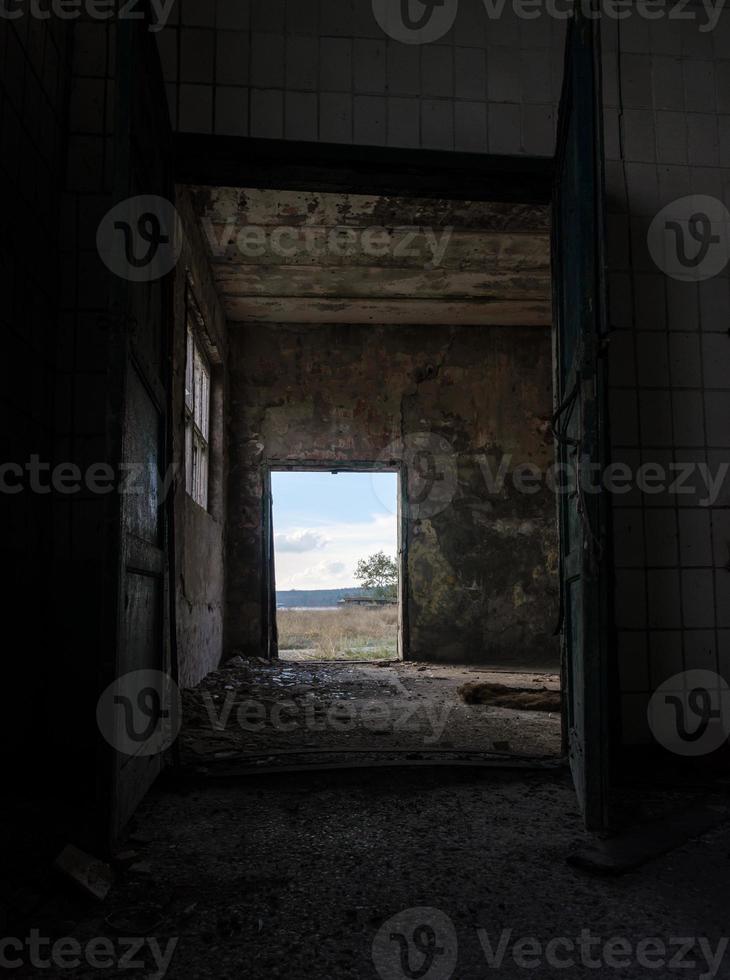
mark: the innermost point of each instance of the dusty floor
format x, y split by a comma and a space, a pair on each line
398, 858
267, 714
299, 876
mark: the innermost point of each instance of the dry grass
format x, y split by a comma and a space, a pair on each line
348, 633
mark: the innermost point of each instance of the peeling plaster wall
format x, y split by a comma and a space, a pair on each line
481, 576
200, 541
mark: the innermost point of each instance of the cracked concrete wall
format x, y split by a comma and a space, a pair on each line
481, 562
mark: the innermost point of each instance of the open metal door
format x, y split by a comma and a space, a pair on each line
137, 661
579, 307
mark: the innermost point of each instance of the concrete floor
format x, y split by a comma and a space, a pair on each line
300, 876
297, 710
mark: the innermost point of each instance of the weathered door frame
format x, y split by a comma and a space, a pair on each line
268, 600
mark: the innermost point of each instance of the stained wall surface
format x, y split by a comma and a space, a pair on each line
481, 583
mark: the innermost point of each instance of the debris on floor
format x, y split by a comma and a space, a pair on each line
93, 876
517, 698
253, 712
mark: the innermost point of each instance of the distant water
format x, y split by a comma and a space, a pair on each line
310, 608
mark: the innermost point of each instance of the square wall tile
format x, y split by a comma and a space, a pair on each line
335, 118
633, 661
335, 64
689, 421
232, 59
663, 599
196, 108
369, 120
665, 655
721, 538
231, 111
628, 537
695, 543
716, 359
661, 537
267, 113
714, 305
630, 599
404, 122
652, 359
470, 127
698, 605
685, 366
656, 418
700, 650
717, 409
300, 113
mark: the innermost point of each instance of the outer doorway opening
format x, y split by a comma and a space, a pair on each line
338, 570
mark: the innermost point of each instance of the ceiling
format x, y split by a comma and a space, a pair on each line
301, 257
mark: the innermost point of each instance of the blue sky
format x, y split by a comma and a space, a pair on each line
324, 523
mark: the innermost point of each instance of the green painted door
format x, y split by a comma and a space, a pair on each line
138, 658
578, 276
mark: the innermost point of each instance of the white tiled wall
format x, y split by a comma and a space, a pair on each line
667, 94
324, 70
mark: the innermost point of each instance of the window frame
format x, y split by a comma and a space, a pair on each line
196, 411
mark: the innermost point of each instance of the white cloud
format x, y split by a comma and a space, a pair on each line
344, 545
300, 541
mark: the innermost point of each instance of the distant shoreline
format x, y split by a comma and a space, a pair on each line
311, 608
316, 598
